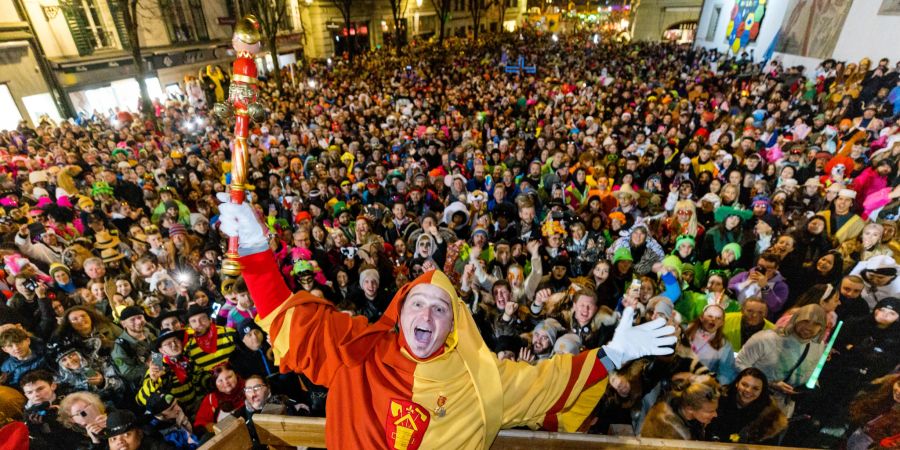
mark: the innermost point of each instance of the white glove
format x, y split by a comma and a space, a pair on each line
241, 221
632, 342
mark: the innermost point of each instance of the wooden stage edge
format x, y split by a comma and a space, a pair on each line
291, 432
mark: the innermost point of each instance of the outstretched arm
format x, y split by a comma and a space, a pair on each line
560, 393
307, 333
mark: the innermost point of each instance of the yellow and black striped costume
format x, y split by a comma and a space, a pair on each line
225, 342
187, 393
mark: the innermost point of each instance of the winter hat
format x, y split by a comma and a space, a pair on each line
622, 254
247, 327
673, 262
735, 248
711, 198
568, 343
368, 273
891, 303
549, 326
177, 229
129, 312
661, 305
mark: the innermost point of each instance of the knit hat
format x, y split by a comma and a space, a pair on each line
129, 312
368, 273
735, 248
246, 328
177, 229
711, 198
674, 263
661, 305
891, 303
568, 343
622, 254
549, 326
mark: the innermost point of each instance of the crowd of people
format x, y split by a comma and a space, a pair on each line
751, 205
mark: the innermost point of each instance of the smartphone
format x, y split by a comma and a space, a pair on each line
90, 413
635, 287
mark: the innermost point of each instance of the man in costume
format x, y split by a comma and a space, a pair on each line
842, 223
421, 376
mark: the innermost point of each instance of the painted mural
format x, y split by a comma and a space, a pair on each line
746, 18
811, 27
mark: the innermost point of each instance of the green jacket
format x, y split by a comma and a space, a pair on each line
692, 303
732, 329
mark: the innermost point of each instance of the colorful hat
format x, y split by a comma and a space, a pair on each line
724, 212
734, 248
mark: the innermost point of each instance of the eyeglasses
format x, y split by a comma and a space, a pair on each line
256, 388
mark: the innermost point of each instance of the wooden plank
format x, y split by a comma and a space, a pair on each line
290, 431
525, 439
310, 432
233, 435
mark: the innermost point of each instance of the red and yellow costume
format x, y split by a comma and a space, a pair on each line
381, 396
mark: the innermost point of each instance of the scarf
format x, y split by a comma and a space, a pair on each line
68, 288
230, 401
179, 367
208, 342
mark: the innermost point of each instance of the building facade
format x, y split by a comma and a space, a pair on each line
372, 22
61, 58
800, 34
665, 20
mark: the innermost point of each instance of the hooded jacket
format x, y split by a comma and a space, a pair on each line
381, 396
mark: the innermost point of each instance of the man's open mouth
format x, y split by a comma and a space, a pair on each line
423, 336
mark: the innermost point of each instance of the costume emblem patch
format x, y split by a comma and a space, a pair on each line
406, 424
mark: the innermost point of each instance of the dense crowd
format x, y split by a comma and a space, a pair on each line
753, 206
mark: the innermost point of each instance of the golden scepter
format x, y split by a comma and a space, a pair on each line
242, 105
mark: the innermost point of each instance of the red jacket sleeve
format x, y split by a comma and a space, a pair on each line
205, 412
264, 281
307, 333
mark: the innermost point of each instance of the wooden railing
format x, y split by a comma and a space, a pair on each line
284, 432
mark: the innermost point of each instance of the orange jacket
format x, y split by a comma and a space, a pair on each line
380, 396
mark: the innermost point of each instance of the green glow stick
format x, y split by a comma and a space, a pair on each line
814, 378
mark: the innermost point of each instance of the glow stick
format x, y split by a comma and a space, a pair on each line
814, 378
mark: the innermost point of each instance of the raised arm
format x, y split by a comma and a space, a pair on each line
307, 333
